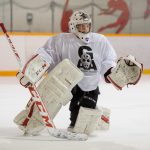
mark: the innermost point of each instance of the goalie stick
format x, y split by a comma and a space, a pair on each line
38, 102
35, 95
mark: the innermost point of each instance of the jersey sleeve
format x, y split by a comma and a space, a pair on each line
109, 56
49, 52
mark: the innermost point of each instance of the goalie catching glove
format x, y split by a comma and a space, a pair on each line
128, 71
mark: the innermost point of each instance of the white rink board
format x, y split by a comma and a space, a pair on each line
139, 46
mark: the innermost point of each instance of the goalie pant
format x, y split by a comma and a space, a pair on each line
82, 98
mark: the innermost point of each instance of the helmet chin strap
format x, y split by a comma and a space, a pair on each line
83, 37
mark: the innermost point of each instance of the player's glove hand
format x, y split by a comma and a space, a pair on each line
127, 71
106, 75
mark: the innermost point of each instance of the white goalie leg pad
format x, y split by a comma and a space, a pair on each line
104, 119
34, 126
30, 120
60, 81
51, 89
67, 73
87, 120
55, 91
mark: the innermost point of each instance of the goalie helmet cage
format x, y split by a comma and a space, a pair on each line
32, 88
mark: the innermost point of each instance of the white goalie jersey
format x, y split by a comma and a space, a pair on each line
93, 59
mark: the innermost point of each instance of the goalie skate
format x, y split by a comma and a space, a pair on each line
65, 134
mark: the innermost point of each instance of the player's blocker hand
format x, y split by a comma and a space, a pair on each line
24, 81
32, 71
128, 71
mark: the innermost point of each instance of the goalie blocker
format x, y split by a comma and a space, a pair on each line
33, 70
128, 71
55, 91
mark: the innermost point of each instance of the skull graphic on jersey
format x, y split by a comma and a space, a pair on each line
86, 61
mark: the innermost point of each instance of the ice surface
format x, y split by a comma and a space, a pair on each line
129, 125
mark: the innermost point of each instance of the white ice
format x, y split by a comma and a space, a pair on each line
129, 126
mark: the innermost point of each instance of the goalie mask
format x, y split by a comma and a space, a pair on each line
80, 18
